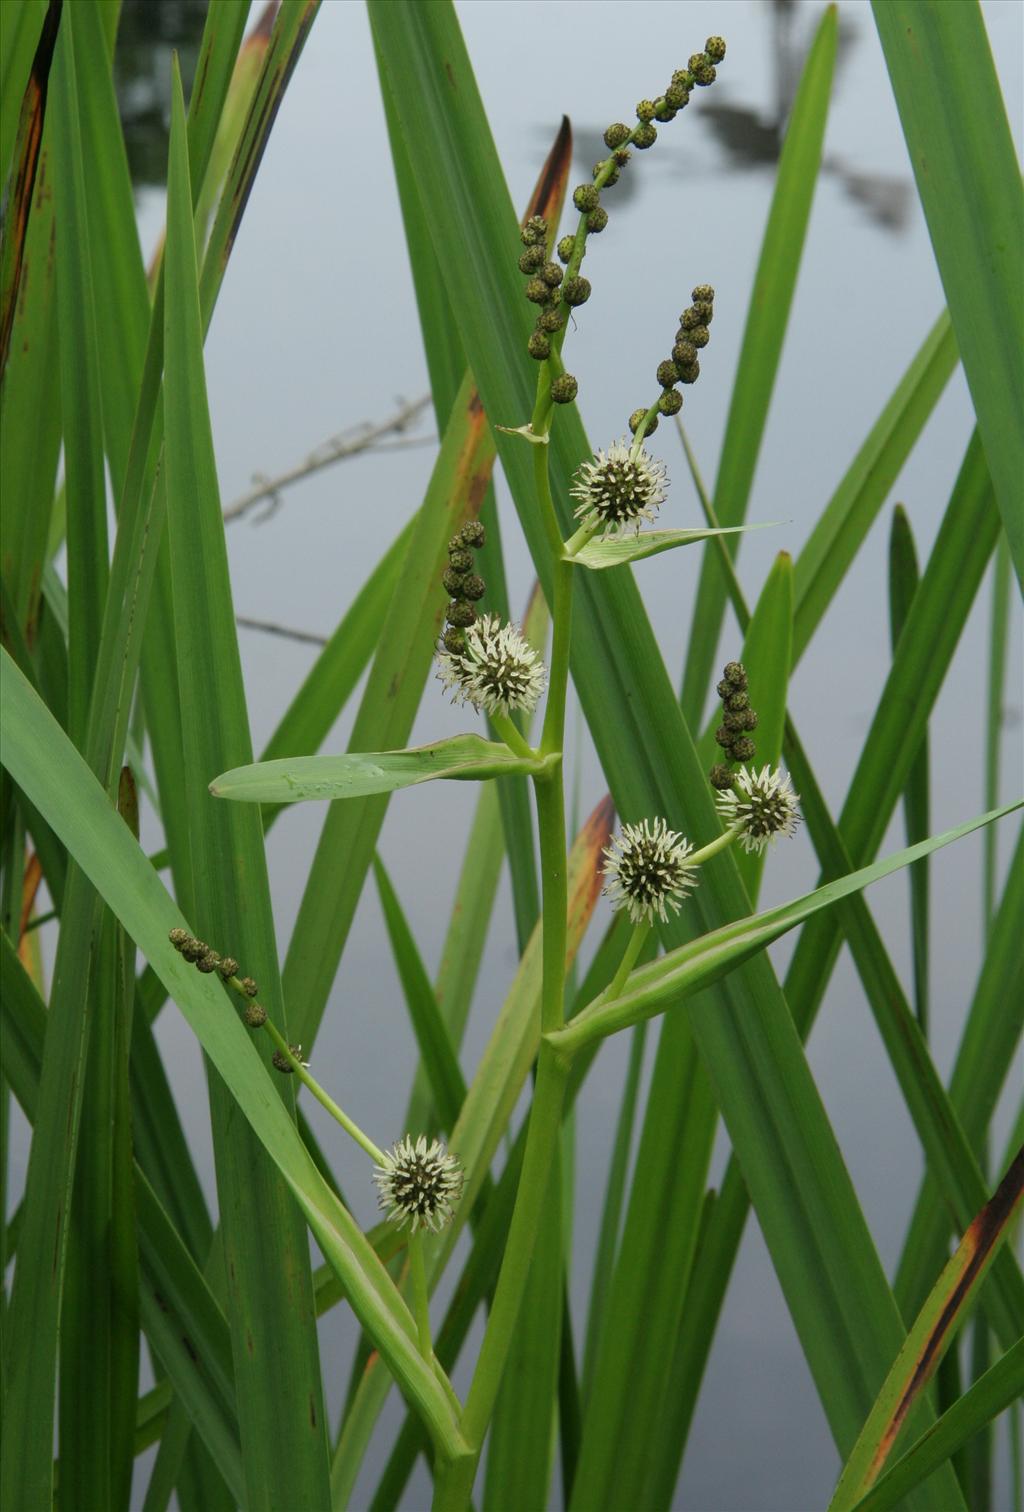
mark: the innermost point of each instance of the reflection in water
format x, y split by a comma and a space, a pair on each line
752, 140
148, 33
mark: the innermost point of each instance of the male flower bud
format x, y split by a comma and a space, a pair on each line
645, 136
616, 135
671, 402
566, 247
473, 534
666, 374
550, 320
714, 48
645, 111
460, 614
637, 418
597, 220
538, 346
537, 291
452, 582
576, 291
255, 1016
531, 259
565, 387
586, 197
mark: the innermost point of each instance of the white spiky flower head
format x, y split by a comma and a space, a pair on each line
647, 871
419, 1184
764, 803
497, 671
621, 490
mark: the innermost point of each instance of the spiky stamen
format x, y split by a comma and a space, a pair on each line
419, 1185
647, 871
498, 671
764, 803
619, 489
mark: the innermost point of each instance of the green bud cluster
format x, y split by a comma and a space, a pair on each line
682, 366
693, 334
738, 719
543, 280
205, 959
464, 586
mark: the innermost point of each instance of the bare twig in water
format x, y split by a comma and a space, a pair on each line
348, 444
270, 628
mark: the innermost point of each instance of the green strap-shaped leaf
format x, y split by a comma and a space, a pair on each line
42, 760
931, 1335
617, 550
281, 1411
1001, 1387
961, 148
761, 350
302, 779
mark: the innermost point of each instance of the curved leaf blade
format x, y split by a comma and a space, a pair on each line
358, 774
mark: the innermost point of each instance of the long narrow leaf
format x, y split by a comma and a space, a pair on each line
761, 350
969, 182
929, 1338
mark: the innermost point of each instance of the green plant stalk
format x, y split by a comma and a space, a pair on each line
541, 1142
545, 1123
420, 1298
323, 1098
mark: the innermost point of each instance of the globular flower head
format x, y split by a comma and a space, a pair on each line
620, 489
499, 671
647, 871
763, 803
419, 1184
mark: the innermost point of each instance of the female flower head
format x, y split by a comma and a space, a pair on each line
419, 1185
619, 489
763, 803
647, 871
497, 670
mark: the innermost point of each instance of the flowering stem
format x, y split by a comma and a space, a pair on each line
629, 959
512, 737
322, 1097
576, 542
541, 1142
420, 1301
697, 858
